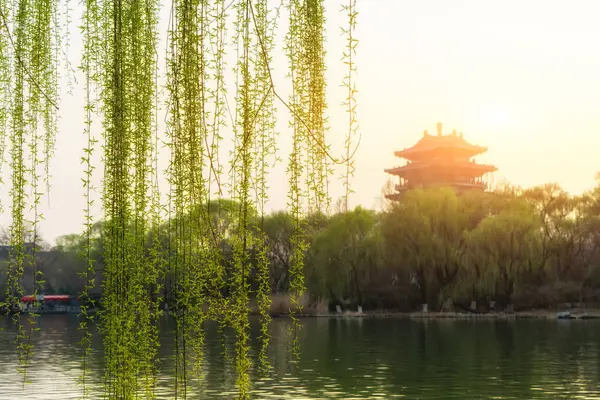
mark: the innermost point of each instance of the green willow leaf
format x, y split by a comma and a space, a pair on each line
208, 258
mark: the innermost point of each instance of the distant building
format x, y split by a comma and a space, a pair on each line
440, 160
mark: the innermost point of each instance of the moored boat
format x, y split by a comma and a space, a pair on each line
50, 304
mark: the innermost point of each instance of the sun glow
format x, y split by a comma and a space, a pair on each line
496, 117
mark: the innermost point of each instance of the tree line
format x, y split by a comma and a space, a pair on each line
511, 248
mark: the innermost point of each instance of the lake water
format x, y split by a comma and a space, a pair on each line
352, 359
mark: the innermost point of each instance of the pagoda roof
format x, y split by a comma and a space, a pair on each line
458, 186
455, 185
441, 162
429, 143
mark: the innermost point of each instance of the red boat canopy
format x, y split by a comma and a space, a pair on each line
49, 297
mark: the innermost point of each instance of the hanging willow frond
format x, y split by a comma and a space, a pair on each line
264, 150
29, 92
350, 102
128, 99
242, 167
89, 66
199, 268
308, 160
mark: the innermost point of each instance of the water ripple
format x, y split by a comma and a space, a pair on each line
345, 359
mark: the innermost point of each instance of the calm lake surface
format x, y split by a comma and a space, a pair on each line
351, 359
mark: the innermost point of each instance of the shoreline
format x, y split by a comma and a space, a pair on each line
591, 313
575, 314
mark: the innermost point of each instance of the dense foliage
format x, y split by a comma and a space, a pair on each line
524, 248
156, 249
188, 251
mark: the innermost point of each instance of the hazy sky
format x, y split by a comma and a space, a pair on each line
521, 77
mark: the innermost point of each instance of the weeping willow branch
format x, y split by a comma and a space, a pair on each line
242, 168
18, 196
18, 54
89, 64
264, 149
204, 270
302, 121
5, 84
296, 166
32, 100
128, 97
350, 85
317, 104
195, 260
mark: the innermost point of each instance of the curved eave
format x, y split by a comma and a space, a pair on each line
401, 189
420, 153
409, 168
455, 185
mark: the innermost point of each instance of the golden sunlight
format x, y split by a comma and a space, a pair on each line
493, 117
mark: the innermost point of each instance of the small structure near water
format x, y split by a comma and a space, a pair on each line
564, 315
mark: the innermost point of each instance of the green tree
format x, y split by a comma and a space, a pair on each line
424, 233
555, 211
506, 246
345, 255
279, 228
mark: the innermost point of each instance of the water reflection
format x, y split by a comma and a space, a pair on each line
346, 359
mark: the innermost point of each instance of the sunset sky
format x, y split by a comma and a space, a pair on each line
520, 77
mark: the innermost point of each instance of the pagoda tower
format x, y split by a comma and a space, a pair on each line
440, 160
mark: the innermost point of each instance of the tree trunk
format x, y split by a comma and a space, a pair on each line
422, 286
357, 285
